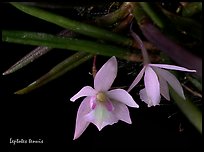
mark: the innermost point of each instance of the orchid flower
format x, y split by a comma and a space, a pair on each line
156, 79
102, 107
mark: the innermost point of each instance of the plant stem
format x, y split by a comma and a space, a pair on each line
139, 41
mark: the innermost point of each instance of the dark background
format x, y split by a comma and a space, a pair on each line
47, 113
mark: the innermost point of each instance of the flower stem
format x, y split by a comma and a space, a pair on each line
144, 51
94, 70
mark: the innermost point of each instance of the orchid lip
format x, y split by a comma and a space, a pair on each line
102, 98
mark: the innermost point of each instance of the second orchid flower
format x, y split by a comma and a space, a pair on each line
156, 79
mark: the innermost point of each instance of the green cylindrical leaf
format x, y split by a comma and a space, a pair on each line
33, 55
75, 26
42, 39
195, 82
192, 112
60, 69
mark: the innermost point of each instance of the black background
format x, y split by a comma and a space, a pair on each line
47, 113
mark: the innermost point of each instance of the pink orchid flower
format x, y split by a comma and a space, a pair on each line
156, 79
102, 107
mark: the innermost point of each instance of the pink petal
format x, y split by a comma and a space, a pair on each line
137, 79
164, 89
172, 67
172, 80
81, 122
146, 99
122, 96
121, 112
85, 91
106, 75
152, 86
101, 117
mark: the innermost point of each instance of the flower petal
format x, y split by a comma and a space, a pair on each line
122, 96
137, 79
85, 91
172, 80
81, 122
145, 98
101, 117
106, 75
152, 86
121, 112
172, 67
164, 89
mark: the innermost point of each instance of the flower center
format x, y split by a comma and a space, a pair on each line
101, 97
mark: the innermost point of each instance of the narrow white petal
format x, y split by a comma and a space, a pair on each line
81, 122
152, 85
137, 79
122, 96
85, 91
172, 80
172, 67
106, 75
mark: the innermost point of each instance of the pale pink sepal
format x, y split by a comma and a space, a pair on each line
122, 96
137, 79
81, 122
164, 88
106, 75
85, 91
172, 67
172, 81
